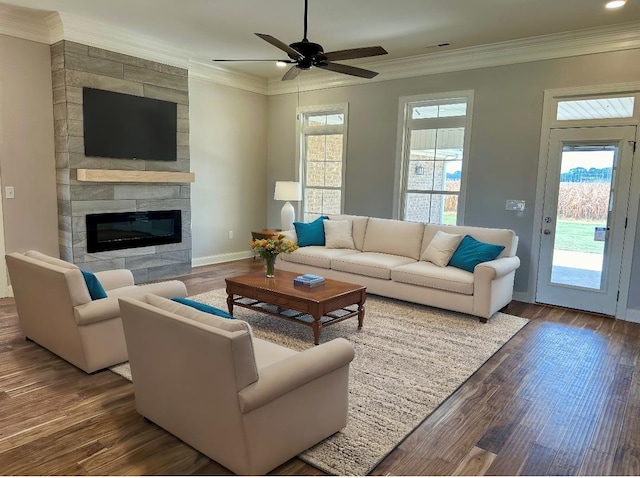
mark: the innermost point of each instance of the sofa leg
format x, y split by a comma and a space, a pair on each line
483, 320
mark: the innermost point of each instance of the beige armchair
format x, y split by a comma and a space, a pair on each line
55, 309
246, 403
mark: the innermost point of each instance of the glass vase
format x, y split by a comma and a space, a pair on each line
270, 263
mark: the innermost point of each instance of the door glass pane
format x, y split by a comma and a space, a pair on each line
584, 203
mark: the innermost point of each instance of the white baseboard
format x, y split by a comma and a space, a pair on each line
633, 315
220, 258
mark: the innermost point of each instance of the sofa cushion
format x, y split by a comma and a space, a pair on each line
441, 248
310, 233
399, 238
371, 264
503, 237
430, 275
359, 227
96, 291
472, 252
338, 235
209, 309
316, 256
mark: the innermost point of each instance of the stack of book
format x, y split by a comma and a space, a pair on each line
309, 280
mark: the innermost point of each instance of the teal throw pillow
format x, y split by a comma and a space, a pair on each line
96, 291
209, 309
310, 233
471, 252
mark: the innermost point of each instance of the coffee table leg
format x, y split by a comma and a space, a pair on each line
360, 315
317, 328
230, 303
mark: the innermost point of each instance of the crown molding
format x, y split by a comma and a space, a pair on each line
50, 28
23, 23
547, 47
109, 37
221, 76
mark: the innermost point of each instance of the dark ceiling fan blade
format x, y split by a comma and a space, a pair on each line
355, 53
284, 61
293, 72
278, 44
349, 70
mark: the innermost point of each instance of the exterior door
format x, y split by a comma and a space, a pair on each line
584, 217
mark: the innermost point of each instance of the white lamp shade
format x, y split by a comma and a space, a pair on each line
288, 191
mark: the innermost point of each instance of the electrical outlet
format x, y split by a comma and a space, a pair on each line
515, 205
9, 192
230, 234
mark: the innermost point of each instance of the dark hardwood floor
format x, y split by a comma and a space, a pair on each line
561, 398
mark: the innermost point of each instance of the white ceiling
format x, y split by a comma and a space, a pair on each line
208, 29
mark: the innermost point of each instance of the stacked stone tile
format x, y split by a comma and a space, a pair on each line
75, 66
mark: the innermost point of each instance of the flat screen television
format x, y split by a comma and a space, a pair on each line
117, 125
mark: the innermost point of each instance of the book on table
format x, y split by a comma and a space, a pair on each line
309, 280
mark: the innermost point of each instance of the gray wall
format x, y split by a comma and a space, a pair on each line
229, 158
505, 137
26, 146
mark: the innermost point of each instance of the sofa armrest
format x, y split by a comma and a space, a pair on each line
295, 371
495, 269
115, 278
96, 311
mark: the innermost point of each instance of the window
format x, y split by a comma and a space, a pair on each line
433, 149
597, 108
323, 140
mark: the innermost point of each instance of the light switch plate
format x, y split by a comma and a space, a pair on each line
9, 192
515, 205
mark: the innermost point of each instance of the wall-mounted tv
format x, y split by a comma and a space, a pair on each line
117, 125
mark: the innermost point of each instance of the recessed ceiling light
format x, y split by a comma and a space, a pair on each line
615, 4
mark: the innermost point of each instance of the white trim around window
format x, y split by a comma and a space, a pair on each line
451, 120
306, 132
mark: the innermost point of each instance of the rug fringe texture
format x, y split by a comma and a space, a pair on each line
409, 359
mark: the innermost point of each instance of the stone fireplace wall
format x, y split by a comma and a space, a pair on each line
75, 66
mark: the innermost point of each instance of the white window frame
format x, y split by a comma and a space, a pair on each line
404, 130
303, 131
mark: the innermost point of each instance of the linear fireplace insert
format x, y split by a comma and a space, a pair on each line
124, 230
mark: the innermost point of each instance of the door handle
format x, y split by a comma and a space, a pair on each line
546, 232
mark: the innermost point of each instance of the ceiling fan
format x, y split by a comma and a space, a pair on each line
305, 54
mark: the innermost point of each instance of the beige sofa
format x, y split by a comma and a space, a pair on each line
55, 309
246, 403
386, 259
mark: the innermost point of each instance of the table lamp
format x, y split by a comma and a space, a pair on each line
287, 191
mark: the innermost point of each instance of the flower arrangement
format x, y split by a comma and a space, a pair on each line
269, 249
273, 246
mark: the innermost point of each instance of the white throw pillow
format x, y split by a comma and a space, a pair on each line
291, 235
441, 248
338, 234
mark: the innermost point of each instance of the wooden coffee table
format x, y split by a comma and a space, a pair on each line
325, 303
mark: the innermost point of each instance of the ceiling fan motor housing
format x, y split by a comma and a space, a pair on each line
312, 54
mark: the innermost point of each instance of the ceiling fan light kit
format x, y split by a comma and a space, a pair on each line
304, 55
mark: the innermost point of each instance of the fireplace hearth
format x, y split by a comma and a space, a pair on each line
125, 230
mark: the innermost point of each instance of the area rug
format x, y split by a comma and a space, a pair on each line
409, 359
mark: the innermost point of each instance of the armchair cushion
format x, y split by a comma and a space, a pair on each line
96, 291
209, 309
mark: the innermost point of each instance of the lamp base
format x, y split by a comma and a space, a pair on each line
287, 216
